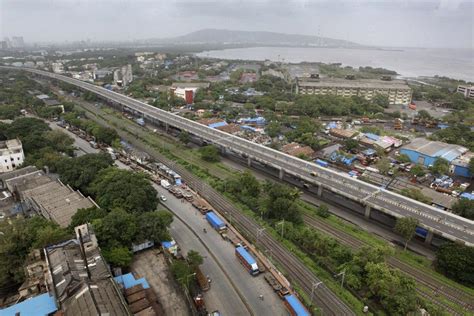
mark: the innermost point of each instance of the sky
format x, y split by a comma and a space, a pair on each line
399, 23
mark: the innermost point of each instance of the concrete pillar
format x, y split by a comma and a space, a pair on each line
320, 190
166, 127
429, 237
249, 161
281, 174
367, 211
223, 150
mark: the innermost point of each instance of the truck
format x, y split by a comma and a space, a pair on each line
294, 306
111, 152
215, 221
202, 280
247, 260
165, 184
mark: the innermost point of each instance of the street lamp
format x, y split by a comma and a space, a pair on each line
259, 233
282, 223
343, 273
314, 287
186, 277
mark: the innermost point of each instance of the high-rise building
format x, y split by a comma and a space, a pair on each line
123, 76
17, 42
467, 91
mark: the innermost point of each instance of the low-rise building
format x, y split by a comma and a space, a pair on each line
467, 91
11, 155
297, 150
397, 91
425, 152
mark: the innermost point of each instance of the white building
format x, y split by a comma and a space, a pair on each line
467, 91
123, 76
58, 68
11, 155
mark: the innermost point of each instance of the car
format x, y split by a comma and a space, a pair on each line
163, 198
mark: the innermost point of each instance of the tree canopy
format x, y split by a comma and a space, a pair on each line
132, 192
406, 227
456, 261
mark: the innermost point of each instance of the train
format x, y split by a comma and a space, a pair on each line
247, 260
216, 222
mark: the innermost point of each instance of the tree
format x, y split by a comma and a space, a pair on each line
184, 137
182, 272
210, 153
381, 100
416, 194
406, 226
105, 134
130, 191
456, 261
351, 144
194, 259
383, 165
323, 211
117, 229
86, 215
440, 166
418, 171
403, 158
153, 226
280, 202
60, 141
464, 207
395, 291
80, 172
273, 129
118, 256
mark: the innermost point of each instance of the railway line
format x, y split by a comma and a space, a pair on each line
452, 294
297, 272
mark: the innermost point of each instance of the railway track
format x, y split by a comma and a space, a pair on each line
297, 272
435, 288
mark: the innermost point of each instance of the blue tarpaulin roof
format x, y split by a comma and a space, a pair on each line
467, 195
128, 281
167, 244
372, 136
296, 305
246, 255
248, 128
217, 124
40, 305
369, 152
332, 125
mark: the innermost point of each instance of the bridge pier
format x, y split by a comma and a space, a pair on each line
367, 211
320, 190
223, 151
166, 127
249, 161
429, 237
281, 174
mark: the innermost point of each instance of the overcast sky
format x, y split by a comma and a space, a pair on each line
418, 23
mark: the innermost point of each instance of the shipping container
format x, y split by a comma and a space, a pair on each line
247, 260
215, 221
295, 307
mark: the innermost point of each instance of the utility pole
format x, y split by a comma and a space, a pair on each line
343, 273
259, 233
282, 223
314, 287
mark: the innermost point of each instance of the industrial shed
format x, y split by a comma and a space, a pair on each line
425, 152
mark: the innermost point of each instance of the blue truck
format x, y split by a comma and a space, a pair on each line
215, 221
294, 306
247, 260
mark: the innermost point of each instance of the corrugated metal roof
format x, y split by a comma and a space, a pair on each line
39, 305
296, 305
436, 149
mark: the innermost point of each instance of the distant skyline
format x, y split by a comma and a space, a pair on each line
399, 23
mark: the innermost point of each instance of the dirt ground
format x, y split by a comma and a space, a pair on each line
153, 267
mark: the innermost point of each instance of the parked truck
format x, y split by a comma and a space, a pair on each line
165, 184
322, 163
247, 260
202, 280
215, 221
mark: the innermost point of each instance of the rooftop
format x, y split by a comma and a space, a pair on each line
80, 290
436, 149
10, 144
358, 83
39, 305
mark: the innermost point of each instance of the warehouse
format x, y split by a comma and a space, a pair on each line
425, 152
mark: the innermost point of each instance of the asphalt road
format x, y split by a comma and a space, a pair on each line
249, 287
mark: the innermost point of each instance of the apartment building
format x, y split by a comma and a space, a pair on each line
11, 155
467, 91
397, 91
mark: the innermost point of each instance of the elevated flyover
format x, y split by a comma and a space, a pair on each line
445, 224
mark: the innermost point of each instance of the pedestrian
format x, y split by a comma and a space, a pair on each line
260, 297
